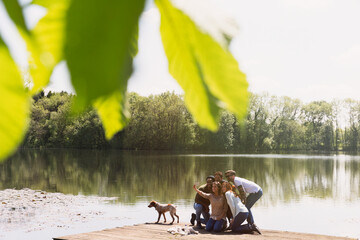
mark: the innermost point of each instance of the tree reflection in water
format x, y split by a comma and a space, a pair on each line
166, 177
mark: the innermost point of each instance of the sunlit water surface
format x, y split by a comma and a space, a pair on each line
302, 193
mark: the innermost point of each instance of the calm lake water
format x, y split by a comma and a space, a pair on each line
302, 193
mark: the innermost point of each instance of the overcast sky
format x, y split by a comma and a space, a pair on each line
306, 49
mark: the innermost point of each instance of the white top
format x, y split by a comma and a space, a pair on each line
235, 204
249, 186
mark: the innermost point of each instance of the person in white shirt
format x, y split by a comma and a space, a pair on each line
238, 210
253, 190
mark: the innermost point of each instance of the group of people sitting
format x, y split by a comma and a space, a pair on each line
230, 200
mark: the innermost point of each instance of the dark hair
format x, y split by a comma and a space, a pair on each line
219, 173
210, 176
218, 185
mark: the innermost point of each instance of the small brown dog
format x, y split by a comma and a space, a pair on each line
163, 208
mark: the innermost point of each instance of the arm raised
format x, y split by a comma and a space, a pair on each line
201, 193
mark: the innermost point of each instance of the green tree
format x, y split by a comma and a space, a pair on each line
158, 122
222, 140
352, 129
317, 116
288, 131
337, 106
85, 131
257, 123
162, 122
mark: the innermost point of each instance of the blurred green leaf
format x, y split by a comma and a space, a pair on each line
46, 3
112, 113
98, 38
111, 109
207, 72
14, 107
39, 73
14, 10
47, 42
44, 42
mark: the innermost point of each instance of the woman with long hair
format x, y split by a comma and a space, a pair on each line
218, 207
238, 210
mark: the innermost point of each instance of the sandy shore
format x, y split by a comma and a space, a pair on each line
35, 210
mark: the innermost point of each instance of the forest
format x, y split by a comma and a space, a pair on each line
162, 122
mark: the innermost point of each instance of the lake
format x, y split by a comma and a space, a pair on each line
302, 192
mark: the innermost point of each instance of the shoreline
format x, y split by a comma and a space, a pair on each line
37, 210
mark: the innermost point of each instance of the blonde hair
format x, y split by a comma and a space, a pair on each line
228, 185
231, 187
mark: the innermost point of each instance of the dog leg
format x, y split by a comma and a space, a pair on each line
164, 217
172, 215
177, 217
159, 217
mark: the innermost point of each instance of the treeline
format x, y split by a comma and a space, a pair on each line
162, 122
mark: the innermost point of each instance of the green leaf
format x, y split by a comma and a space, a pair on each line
14, 107
45, 3
98, 38
206, 71
39, 73
48, 37
46, 42
14, 10
112, 113
112, 109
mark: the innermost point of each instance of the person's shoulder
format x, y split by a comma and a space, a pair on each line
229, 193
238, 179
202, 187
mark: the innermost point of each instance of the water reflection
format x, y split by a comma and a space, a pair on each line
133, 176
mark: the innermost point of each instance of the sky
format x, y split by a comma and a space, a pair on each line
305, 49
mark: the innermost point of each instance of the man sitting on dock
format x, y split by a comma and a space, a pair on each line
201, 204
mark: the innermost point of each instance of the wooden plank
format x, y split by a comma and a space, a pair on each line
159, 231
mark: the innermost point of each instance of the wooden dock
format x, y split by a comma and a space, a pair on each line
159, 231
